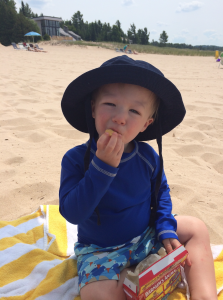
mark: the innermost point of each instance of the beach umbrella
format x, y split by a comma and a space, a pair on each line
32, 33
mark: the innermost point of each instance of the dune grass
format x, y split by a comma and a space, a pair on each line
144, 48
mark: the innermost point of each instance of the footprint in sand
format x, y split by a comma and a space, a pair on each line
181, 192
34, 191
190, 150
8, 94
6, 174
25, 128
51, 112
211, 103
34, 137
29, 197
204, 126
14, 160
16, 122
25, 111
195, 135
70, 133
219, 167
189, 122
213, 121
211, 158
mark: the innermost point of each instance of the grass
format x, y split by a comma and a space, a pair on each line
144, 48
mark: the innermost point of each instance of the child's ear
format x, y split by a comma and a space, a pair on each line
93, 108
148, 122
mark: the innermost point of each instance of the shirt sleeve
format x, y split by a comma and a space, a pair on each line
81, 193
165, 224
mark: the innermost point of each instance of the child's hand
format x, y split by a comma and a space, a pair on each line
171, 244
110, 149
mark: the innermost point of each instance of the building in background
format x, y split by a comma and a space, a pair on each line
68, 33
48, 25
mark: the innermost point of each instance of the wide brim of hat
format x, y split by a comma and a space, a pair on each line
171, 110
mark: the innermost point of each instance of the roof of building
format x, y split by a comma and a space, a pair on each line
47, 18
63, 32
70, 34
74, 34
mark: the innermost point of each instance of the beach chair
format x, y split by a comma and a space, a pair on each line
37, 46
22, 47
221, 61
15, 47
118, 50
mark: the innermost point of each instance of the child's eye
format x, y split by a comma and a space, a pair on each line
110, 104
134, 111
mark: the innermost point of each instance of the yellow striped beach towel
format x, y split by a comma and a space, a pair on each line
37, 258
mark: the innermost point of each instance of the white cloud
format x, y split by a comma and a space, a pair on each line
161, 24
153, 31
39, 4
185, 31
128, 2
190, 6
210, 33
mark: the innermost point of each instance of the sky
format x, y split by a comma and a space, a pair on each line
191, 22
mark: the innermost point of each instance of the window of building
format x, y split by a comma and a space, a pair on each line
50, 27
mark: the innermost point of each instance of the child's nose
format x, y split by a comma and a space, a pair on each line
120, 118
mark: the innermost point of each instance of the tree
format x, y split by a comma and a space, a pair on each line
132, 35
77, 20
115, 35
163, 37
143, 36
13, 26
8, 16
26, 11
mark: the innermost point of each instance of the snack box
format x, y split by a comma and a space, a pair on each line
158, 280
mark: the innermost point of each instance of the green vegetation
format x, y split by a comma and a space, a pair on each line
26, 11
46, 37
97, 31
163, 38
143, 48
13, 25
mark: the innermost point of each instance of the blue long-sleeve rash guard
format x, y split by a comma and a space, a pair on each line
121, 194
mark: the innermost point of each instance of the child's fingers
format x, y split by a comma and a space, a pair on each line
121, 150
103, 141
170, 244
112, 142
175, 243
167, 245
118, 145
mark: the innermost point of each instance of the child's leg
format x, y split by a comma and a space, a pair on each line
193, 233
105, 289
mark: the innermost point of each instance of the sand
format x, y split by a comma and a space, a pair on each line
35, 135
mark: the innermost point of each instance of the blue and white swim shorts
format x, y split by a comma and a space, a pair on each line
96, 263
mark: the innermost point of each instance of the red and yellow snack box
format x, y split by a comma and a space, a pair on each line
158, 280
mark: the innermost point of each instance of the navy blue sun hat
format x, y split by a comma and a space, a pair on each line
123, 69
76, 105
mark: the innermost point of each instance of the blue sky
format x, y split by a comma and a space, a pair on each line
191, 22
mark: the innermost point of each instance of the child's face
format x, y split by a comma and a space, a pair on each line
124, 108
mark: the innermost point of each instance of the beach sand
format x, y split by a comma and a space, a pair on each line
35, 135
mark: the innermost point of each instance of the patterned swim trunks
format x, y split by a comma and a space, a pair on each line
96, 263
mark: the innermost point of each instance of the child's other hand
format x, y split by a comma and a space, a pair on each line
110, 149
171, 244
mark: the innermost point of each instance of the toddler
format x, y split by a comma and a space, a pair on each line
114, 186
